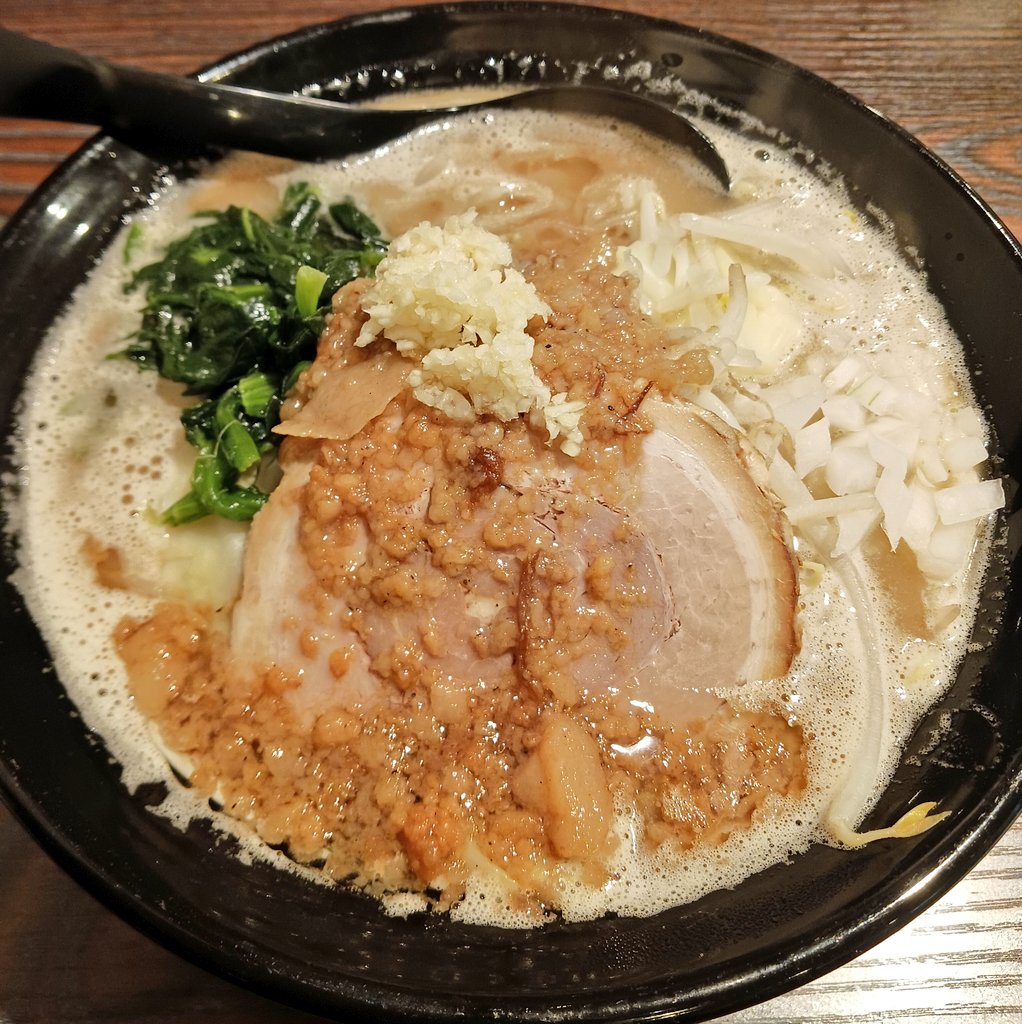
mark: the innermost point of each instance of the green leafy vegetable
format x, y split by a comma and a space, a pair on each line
233, 312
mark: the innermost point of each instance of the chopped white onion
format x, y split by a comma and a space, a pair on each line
786, 483
850, 468
931, 465
844, 412
795, 402
917, 528
812, 447
846, 375
964, 452
824, 508
889, 453
853, 527
961, 503
949, 549
895, 499
967, 421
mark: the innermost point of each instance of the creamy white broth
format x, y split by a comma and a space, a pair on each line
103, 451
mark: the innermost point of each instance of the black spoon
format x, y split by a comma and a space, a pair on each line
145, 108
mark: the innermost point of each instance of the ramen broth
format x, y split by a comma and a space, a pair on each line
427, 789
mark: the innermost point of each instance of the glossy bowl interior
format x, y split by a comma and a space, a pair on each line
331, 950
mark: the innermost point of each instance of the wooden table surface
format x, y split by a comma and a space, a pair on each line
947, 70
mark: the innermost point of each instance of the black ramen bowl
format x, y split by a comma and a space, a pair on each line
332, 950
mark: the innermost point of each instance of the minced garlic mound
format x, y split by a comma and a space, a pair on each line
449, 297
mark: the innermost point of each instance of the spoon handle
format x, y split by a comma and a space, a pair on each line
44, 81
144, 107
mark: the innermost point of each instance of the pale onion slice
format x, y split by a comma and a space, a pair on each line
921, 519
795, 402
349, 397
895, 498
888, 453
730, 325
931, 466
844, 412
853, 528
963, 453
707, 400
967, 422
764, 239
850, 469
862, 775
787, 484
948, 550
812, 447
846, 374
965, 502
824, 508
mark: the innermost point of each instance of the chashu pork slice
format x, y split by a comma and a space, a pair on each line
282, 618
726, 561
690, 586
280, 607
289, 620
686, 587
